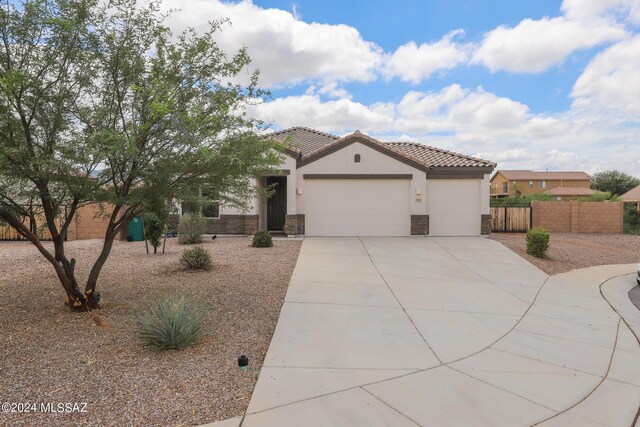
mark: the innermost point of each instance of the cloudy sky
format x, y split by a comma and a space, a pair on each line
531, 85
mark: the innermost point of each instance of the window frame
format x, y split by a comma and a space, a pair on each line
217, 204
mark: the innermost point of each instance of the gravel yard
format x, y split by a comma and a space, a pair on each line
569, 251
48, 354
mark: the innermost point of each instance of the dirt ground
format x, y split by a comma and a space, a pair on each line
50, 355
569, 251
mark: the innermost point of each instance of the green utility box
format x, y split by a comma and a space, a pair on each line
135, 230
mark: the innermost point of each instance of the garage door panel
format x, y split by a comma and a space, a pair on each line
454, 207
357, 208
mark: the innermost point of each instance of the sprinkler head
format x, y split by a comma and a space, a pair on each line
243, 362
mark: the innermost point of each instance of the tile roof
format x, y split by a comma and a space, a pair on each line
632, 195
528, 175
570, 191
310, 141
437, 157
304, 139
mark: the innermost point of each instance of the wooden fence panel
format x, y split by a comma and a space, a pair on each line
512, 219
9, 233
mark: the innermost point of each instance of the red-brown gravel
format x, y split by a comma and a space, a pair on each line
48, 354
569, 251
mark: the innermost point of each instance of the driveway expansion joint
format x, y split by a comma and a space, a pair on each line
418, 375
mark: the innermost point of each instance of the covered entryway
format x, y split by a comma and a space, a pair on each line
358, 207
277, 203
454, 207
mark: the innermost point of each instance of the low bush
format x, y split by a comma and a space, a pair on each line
631, 219
262, 239
520, 201
190, 229
537, 242
171, 322
196, 259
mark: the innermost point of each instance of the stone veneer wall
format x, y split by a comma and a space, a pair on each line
226, 224
419, 225
294, 224
485, 224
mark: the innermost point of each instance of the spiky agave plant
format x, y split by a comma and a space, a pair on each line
171, 322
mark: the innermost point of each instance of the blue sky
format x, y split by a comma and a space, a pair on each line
531, 85
427, 21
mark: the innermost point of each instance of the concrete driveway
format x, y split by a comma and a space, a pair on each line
445, 331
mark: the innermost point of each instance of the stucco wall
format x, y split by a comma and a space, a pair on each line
371, 162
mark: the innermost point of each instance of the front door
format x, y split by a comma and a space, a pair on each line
277, 203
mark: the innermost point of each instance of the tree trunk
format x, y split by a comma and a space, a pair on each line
64, 268
92, 281
113, 228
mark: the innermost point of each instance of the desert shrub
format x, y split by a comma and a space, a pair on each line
171, 322
631, 219
190, 229
262, 239
521, 201
600, 196
537, 242
196, 258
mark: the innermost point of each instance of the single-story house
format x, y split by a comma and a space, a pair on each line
356, 185
508, 183
632, 195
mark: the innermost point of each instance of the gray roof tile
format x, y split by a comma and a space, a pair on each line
309, 141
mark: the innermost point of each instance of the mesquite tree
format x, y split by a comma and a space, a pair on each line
101, 104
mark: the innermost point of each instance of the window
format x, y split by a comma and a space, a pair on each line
543, 184
505, 187
356, 158
530, 184
211, 210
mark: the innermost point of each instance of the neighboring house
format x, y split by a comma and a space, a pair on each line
506, 183
570, 193
632, 195
358, 186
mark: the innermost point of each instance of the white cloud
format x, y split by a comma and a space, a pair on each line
285, 49
414, 63
611, 81
476, 122
581, 9
337, 116
452, 109
536, 45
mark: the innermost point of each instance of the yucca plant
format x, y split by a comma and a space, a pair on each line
171, 322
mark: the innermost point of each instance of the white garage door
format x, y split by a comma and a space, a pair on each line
454, 207
357, 207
